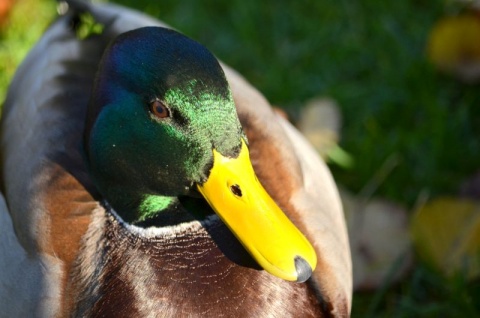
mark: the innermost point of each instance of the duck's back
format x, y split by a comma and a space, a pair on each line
61, 251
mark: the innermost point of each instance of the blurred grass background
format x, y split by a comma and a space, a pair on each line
370, 57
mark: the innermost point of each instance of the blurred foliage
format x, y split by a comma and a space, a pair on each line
425, 293
369, 56
88, 26
24, 26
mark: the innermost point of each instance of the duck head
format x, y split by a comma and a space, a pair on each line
162, 124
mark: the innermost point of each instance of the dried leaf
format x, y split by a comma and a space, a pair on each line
320, 122
454, 46
379, 239
446, 234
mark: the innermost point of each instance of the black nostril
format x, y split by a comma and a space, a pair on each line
304, 271
236, 190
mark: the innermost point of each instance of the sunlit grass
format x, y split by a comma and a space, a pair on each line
28, 20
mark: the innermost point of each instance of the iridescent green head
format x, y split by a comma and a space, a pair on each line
160, 104
162, 123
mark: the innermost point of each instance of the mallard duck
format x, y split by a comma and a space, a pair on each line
142, 177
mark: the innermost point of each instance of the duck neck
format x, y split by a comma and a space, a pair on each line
153, 204
134, 207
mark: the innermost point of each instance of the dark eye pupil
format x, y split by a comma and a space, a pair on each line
160, 109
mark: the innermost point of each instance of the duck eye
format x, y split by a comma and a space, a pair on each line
159, 109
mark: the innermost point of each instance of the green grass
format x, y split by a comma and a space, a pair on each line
17, 38
368, 55
424, 293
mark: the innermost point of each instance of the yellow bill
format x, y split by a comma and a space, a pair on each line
236, 195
